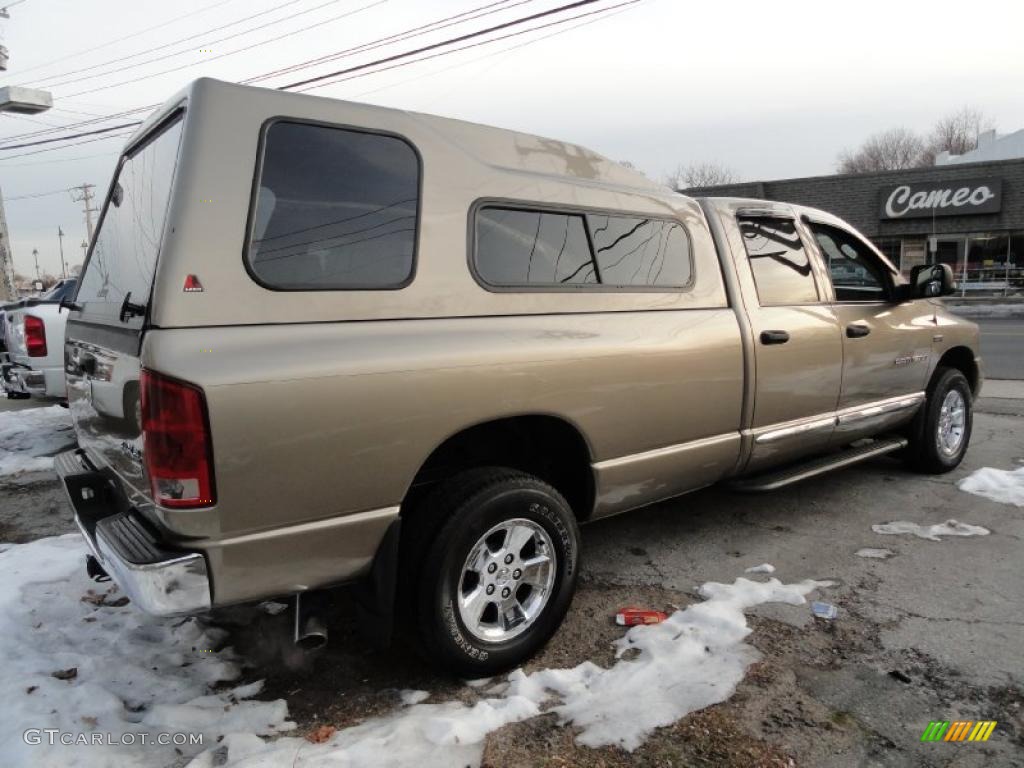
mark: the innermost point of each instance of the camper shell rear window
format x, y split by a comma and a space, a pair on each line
122, 260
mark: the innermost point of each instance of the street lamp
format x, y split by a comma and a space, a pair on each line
24, 101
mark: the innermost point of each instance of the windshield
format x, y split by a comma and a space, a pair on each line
124, 253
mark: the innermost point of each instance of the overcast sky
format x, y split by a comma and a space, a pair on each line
770, 89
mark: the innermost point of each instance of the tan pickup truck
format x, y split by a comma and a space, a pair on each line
359, 345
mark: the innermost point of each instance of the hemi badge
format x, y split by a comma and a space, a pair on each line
192, 285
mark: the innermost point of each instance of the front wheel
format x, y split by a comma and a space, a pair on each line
942, 430
498, 574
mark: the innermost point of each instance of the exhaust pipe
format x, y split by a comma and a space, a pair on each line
310, 632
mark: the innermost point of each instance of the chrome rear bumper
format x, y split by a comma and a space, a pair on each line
160, 581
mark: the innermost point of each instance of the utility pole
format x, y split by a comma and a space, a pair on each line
85, 250
60, 239
35, 255
85, 196
7, 290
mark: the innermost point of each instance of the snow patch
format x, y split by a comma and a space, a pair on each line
880, 554
1003, 485
692, 660
931, 532
762, 568
414, 697
127, 672
30, 438
136, 673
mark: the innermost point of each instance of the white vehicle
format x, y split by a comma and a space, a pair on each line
33, 331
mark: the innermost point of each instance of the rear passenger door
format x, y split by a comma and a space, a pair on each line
796, 340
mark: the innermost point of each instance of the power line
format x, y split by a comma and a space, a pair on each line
30, 119
33, 196
490, 55
119, 39
339, 76
443, 43
434, 26
65, 146
478, 44
5, 164
71, 136
187, 38
79, 124
230, 53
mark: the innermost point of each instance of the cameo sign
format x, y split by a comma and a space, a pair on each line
957, 198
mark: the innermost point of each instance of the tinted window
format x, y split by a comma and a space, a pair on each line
856, 273
124, 251
779, 262
636, 251
516, 247
334, 209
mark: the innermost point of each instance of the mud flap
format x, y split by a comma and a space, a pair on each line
375, 595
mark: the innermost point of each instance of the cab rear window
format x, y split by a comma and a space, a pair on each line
334, 208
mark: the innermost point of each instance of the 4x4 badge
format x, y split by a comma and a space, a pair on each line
192, 285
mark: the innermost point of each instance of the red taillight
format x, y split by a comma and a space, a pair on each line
35, 336
176, 436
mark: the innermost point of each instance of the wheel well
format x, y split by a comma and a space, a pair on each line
962, 359
545, 446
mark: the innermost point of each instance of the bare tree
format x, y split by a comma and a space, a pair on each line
890, 150
696, 175
957, 133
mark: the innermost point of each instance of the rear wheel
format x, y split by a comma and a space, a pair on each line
942, 430
495, 558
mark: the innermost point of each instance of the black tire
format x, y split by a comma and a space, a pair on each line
924, 453
437, 541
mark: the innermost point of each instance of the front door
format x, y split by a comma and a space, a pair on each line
886, 344
797, 344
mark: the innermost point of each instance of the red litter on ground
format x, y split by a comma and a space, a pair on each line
630, 617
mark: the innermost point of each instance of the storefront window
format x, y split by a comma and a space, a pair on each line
915, 253
1016, 271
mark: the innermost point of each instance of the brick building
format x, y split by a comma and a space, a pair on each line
968, 215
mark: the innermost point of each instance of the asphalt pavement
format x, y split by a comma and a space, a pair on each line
1002, 346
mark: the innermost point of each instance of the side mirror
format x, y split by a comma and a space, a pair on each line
931, 280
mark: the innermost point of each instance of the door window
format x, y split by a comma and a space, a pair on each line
782, 270
857, 274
